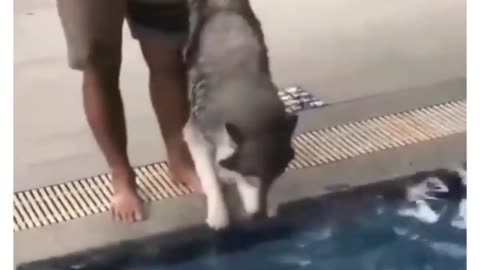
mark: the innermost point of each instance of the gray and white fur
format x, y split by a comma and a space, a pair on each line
238, 130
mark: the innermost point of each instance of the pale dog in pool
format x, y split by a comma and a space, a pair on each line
238, 130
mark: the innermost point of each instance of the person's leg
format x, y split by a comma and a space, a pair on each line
168, 83
93, 31
168, 94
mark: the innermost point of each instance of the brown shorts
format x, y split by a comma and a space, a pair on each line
91, 24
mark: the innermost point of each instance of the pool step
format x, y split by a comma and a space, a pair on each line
44, 206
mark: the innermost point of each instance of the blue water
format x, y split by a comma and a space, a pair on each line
390, 236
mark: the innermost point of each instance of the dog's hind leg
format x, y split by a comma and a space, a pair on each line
202, 155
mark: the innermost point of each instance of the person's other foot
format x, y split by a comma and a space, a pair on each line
126, 205
181, 166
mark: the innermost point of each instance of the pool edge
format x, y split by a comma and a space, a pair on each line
92, 232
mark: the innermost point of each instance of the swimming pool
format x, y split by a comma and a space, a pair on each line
414, 222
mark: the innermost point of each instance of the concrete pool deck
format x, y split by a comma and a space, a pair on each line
175, 214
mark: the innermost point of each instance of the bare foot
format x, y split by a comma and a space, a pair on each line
126, 205
181, 166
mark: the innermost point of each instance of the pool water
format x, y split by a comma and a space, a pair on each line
423, 230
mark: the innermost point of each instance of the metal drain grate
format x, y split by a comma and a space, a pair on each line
349, 140
60, 203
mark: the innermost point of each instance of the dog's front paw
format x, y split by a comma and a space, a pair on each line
250, 196
252, 206
217, 217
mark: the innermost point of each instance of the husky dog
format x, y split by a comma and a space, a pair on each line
238, 129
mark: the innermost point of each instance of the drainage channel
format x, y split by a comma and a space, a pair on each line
76, 199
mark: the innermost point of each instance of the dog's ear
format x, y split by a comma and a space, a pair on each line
234, 133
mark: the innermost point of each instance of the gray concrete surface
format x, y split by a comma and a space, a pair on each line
335, 114
339, 49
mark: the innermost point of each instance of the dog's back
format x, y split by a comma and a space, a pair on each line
227, 40
228, 64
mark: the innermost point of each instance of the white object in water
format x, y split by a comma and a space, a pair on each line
463, 174
460, 220
425, 189
400, 231
422, 212
295, 260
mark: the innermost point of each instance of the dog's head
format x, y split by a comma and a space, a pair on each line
264, 155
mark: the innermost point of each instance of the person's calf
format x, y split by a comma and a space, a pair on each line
104, 110
171, 107
168, 92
